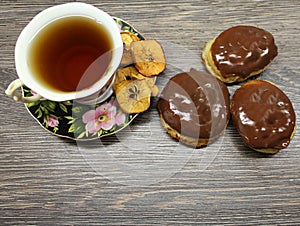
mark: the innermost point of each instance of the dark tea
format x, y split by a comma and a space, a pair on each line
70, 53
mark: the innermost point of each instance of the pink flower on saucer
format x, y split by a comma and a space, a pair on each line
33, 93
52, 121
120, 116
103, 117
120, 27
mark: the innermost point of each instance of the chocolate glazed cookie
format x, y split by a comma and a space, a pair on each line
239, 53
194, 108
264, 116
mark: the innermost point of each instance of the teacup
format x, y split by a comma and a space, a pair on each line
67, 52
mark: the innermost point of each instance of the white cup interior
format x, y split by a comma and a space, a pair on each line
44, 18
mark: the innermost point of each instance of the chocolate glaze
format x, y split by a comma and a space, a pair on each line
195, 104
263, 115
241, 50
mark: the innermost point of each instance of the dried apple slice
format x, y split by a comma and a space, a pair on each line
126, 73
149, 57
131, 73
134, 96
154, 91
127, 38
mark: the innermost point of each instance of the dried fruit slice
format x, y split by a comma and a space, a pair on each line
149, 57
131, 73
127, 38
133, 96
126, 58
154, 91
126, 73
150, 81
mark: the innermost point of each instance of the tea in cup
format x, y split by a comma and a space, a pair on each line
67, 52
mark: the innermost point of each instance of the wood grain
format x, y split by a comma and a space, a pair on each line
47, 180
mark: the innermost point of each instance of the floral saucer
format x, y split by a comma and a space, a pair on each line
77, 121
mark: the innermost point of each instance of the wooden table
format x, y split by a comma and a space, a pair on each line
142, 176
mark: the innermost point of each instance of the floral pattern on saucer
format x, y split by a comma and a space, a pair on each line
78, 121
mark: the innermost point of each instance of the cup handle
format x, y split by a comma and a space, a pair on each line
17, 96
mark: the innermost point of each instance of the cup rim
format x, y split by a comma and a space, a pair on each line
49, 15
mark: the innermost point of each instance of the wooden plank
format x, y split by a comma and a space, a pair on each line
48, 180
